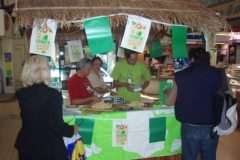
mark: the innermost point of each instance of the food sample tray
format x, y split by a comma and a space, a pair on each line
89, 108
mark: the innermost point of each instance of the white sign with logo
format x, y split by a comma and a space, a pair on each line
136, 33
75, 50
43, 36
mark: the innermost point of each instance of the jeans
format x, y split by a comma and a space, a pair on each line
195, 139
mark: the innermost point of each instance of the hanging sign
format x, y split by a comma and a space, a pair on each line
210, 41
99, 35
75, 50
155, 49
120, 52
43, 36
179, 41
136, 33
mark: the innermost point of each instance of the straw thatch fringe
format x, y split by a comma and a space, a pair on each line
71, 13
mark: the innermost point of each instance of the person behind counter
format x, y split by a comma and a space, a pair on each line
41, 113
96, 79
129, 72
79, 87
196, 87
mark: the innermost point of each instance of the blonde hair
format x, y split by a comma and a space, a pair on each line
36, 70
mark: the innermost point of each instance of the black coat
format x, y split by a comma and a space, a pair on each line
42, 123
197, 86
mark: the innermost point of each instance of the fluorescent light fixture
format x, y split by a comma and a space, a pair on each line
223, 33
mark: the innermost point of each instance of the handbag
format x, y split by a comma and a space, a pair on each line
75, 147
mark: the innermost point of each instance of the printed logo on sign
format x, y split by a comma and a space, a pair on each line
121, 134
44, 34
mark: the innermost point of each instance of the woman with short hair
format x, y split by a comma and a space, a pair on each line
43, 128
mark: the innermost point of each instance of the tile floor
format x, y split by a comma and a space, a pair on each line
10, 123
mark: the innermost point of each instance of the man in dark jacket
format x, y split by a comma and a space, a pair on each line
196, 87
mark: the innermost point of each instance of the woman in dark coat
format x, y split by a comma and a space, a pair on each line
43, 128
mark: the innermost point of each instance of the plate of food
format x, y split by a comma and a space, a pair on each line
73, 107
139, 104
100, 106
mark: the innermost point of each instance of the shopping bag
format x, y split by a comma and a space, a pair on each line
75, 147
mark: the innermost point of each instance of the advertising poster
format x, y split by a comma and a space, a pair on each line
136, 33
232, 54
8, 66
75, 50
99, 35
43, 37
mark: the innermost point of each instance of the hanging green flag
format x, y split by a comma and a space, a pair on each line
155, 49
86, 129
203, 38
157, 128
179, 41
99, 35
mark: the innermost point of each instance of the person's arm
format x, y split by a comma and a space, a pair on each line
116, 83
145, 84
56, 123
101, 90
80, 101
170, 95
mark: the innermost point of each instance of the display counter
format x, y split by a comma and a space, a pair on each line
123, 135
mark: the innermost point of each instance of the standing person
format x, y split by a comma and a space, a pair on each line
41, 112
79, 87
129, 72
196, 88
96, 79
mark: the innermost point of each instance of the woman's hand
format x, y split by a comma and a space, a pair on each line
75, 129
95, 98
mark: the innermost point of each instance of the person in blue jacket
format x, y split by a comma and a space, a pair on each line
196, 88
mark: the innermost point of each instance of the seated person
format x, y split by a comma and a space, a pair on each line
79, 88
96, 79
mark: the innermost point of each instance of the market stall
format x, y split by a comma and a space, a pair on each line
121, 134
136, 134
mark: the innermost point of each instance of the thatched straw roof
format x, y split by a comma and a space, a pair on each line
163, 13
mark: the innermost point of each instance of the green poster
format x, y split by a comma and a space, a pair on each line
155, 49
8, 73
179, 41
99, 35
203, 38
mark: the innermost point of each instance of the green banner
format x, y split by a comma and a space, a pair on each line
99, 35
147, 133
86, 129
179, 41
157, 128
155, 49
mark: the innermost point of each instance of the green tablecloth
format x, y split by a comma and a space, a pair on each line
129, 135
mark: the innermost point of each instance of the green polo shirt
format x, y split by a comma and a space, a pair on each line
124, 71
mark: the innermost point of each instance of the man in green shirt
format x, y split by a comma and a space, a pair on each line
128, 73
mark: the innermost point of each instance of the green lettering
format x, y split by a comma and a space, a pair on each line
229, 10
43, 42
236, 10
136, 37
